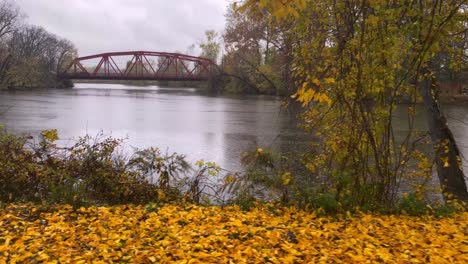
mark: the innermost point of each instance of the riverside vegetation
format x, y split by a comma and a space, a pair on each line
95, 171
90, 204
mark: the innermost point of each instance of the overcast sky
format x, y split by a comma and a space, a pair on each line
97, 26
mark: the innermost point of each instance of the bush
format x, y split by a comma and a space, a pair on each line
90, 172
412, 205
286, 181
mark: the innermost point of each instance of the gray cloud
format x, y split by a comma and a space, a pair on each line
96, 26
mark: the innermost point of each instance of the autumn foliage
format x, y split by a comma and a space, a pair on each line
193, 234
354, 63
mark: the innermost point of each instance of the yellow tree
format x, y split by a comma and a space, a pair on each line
355, 60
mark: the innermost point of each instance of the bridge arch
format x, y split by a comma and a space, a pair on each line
143, 65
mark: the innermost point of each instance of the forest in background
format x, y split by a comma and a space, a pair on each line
29, 55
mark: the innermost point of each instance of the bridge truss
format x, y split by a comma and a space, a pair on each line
143, 65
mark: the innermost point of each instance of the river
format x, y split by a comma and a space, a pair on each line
182, 120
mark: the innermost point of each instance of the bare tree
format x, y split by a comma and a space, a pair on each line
31, 41
38, 56
10, 18
66, 52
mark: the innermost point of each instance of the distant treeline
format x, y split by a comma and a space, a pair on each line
29, 55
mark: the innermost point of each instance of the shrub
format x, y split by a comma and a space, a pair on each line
412, 205
19, 171
89, 172
283, 181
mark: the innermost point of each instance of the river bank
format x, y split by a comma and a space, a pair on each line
193, 234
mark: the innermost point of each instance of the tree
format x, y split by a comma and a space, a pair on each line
257, 54
449, 43
448, 158
10, 18
29, 55
66, 52
210, 48
354, 60
37, 57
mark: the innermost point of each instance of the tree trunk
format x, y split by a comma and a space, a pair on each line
4, 65
447, 155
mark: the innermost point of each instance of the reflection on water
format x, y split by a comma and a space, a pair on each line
212, 128
174, 119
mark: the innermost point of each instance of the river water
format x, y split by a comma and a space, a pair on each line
182, 120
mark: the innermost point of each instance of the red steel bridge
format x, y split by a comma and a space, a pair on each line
141, 65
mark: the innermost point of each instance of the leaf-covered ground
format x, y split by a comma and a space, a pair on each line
192, 234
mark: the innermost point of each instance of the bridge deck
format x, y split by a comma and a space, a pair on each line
141, 77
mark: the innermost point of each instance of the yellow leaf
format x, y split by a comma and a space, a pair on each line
446, 162
236, 222
286, 177
316, 81
50, 135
